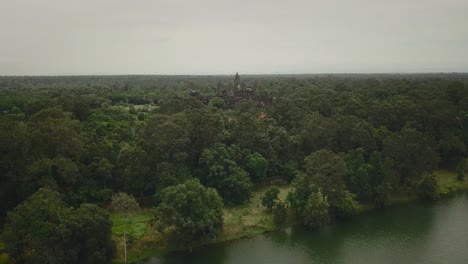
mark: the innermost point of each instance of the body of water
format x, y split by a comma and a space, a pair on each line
422, 232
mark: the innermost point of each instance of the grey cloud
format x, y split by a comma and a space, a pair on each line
217, 37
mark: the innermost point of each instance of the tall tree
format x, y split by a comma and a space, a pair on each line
95, 235
195, 212
205, 127
353, 132
461, 170
358, 179
44, 230
131, 172
257, 166
309, 203
427, 187
413, 154
327, 171
318, 132
39, 230
14, 156
167, 138
221, 164
315, 213
270, 198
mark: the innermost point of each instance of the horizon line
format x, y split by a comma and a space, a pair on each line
226, 74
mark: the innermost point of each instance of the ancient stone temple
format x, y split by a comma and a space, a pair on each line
237, 84
234, 92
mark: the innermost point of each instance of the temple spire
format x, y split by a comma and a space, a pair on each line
237, 80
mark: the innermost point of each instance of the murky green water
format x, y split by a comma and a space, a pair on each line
424, 232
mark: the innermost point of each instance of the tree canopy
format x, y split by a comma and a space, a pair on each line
339, 140
193, 211
43, 229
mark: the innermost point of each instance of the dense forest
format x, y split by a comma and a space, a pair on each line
73, 148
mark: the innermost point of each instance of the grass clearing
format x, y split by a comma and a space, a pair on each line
448, 182
250, 219
247, 220
143, 240
4, 259
137, 225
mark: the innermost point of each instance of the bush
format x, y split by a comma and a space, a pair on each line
461, 170
193, 211
315, 213
346, 206
427, 187
270, 197
280, 213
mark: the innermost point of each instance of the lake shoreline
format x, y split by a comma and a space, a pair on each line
448, 187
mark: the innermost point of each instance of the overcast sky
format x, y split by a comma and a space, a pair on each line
56, 37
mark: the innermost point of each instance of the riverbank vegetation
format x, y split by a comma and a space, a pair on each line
201, 153
252, 218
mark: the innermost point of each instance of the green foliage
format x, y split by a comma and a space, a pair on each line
315, 214
33, 106
193, 211
322, 188
358, 179
384, 178
4, 258
235, 188
353, 132
270, 198
413, 154
448, 183
167, 138
327, 170
288, 112
461, 170
54, 137
124, 204
169, 174
51, 112
303, 188
177, 105
457, 91
259, 133
130, 172
95, 234
372, 180
58, 174
345, 206
318, 133
77, 105
205, 127
257, 166
34, 228
44, 230
310, 205
452, 150
427, 187
136, 228
280, 213
218, 103
289, 170
224, 174
88, 137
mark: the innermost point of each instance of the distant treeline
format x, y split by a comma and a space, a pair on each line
340, 139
